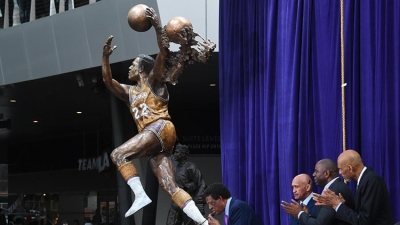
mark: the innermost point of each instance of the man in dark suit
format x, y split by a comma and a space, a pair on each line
302, 192
372, 197
237, 212
326, 175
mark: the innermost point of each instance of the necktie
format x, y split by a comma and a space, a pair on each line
226, 220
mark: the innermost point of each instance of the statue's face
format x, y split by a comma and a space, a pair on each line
178, 155
134, 70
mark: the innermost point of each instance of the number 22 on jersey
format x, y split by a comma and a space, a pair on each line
140, 111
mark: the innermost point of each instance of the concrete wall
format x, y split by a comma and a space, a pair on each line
70, 41
73, 40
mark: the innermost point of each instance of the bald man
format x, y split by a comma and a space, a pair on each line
372, 205
302, 191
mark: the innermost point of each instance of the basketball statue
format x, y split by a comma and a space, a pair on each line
178, 30
147, 101
175, 27
137, 19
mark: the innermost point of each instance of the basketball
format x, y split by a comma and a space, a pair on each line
137, 19
176, 25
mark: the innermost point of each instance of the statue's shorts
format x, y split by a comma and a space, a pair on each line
166, 134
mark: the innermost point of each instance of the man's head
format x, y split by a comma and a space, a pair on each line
217, 195
350, 165
325, 171
141, 66
180, 152
302, 186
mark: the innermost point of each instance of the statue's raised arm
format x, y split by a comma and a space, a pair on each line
163, 44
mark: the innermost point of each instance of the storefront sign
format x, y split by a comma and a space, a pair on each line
100, 163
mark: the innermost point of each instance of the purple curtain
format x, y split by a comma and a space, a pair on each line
280, 93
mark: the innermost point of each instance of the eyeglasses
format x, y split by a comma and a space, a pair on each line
212, 203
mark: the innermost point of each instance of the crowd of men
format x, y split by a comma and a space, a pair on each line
336, 204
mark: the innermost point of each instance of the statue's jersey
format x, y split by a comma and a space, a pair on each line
146, 107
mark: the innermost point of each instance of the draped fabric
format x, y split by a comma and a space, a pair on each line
280, 94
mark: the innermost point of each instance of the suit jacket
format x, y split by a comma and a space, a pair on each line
372, 202
241, 213
312, 209
326, 214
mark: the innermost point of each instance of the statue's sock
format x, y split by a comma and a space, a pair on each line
141, 198
193, 212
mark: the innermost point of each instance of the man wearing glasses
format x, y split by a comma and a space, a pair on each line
237, 212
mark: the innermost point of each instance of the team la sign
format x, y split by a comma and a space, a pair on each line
100, 163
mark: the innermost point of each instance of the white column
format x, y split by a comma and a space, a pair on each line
61, 6
16, 19
6, 20
71, 4
33, 11
52, 8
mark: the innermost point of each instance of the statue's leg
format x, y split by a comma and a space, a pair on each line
143, 144
161, 165
131, 176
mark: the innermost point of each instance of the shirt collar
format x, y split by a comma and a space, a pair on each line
330, 183
228, 203
305, 202
362, 172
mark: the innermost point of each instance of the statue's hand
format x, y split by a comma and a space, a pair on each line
203, 49
152, 16
107, 49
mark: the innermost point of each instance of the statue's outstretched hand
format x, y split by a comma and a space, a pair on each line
155, 21
152, 16
107, 49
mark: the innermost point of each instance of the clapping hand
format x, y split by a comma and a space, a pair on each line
293, 208
328, 198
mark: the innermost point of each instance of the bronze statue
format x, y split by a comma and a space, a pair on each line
148, 104
189, 178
